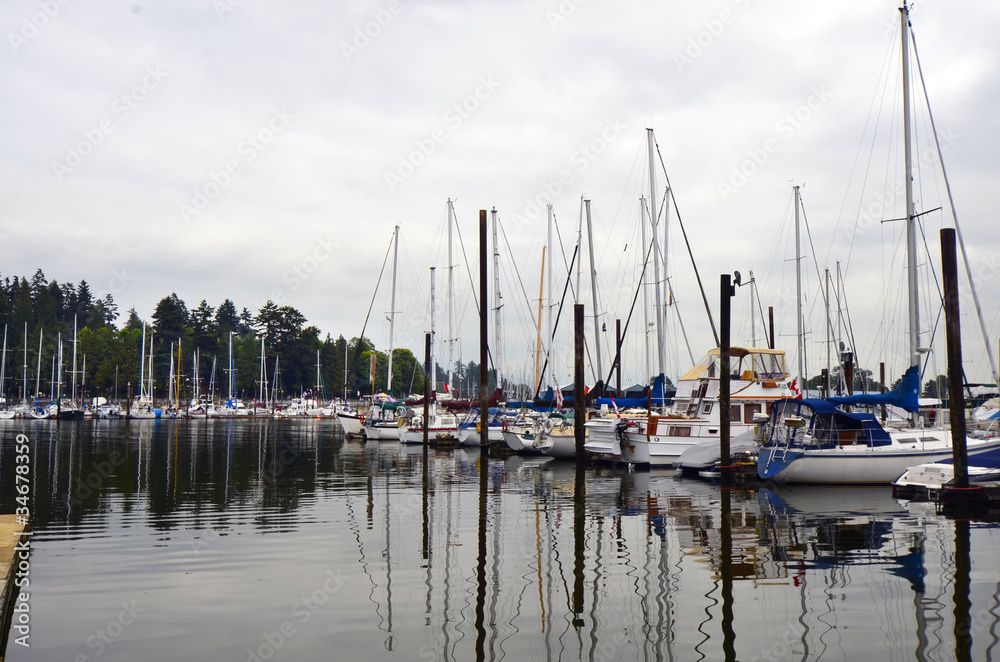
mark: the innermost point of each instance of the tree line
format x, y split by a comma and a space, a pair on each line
41, 313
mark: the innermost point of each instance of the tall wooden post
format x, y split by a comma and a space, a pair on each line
959, 452
484, 373
427, 390
725, 293
579, 397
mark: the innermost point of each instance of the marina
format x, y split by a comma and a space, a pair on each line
281, 539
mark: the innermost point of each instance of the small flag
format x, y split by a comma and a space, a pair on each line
796, 393
615, 405
559, 398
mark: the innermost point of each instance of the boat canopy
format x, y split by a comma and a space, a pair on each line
746, 363
831, 426
904, 395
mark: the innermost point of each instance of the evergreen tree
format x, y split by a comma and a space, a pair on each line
227, 318
134, 322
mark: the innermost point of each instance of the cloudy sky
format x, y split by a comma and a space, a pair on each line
255, 150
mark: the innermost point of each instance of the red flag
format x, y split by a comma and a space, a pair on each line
615, 405
796, 393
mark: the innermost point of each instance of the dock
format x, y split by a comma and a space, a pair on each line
11, 533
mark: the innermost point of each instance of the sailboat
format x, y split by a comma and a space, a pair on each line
143, 407
381, 421
4, 413
812, 441
441, 426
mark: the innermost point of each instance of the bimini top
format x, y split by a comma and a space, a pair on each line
830, 425
746, 363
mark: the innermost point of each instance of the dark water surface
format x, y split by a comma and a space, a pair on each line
279, 540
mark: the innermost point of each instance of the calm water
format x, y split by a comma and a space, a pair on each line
246, 540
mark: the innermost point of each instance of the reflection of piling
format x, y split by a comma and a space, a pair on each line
481, 560
963, 605
579, 397
726, 571
579, 524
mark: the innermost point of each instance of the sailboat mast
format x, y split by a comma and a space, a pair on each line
38, 370
451, 290
73, 396
433, 375
911, 223
593, 293
645, 290
548, 302
230, 371
3, 363
150, 373
660, 350
798, 294
538, 337
24, 379
142, 363
392, 312
497, 347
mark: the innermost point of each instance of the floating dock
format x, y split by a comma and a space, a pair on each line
11, 533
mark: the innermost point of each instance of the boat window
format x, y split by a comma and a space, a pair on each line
734, 414
680, 431
707, 409
749, 411
769, 366
908, 440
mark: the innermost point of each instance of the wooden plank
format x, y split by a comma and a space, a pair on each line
10, 535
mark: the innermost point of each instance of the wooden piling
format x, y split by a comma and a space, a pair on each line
959, 452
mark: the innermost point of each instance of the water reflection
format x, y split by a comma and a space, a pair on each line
223, 531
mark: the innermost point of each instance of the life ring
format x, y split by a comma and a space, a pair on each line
503, 425
361, 419
416, 422
547, 425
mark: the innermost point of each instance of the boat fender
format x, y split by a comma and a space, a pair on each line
479, 427
401, 423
